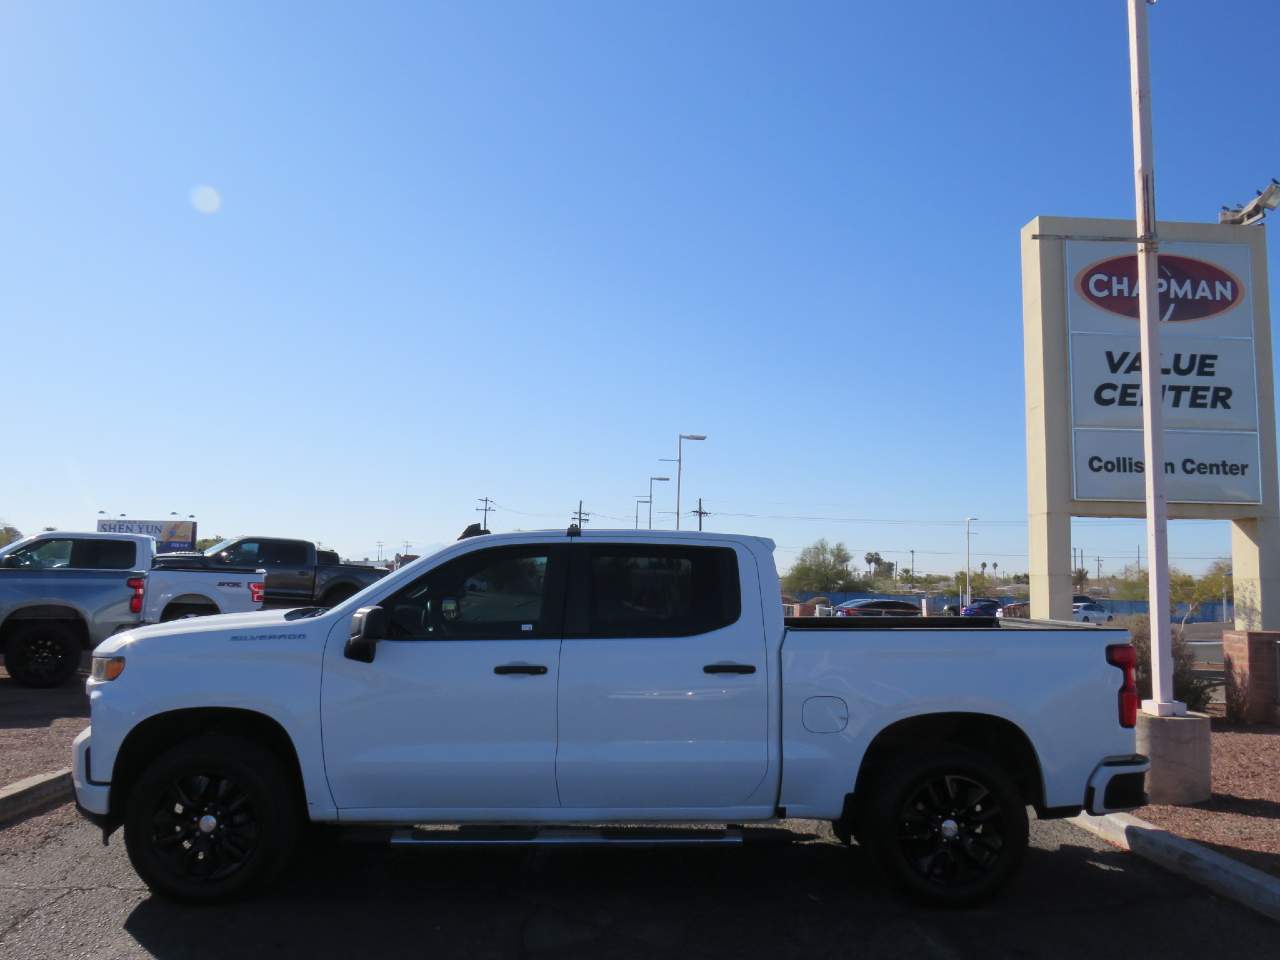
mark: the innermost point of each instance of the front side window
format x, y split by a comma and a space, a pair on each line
660, 591
504, 593
245, 553
41, 555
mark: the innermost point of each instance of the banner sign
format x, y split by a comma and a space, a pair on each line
1207, 362
170, 535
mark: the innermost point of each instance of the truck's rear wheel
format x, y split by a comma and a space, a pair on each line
210, 819
42, 653
948, 826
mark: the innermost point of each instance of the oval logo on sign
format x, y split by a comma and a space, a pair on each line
1190, 289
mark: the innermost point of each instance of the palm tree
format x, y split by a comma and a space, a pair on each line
995, 567
983, 566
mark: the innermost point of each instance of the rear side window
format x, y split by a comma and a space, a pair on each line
104, 554
637, 590
284, 553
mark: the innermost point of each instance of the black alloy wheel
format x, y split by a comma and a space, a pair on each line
205, 826
42, 653
951, 830
211, 818
949, 826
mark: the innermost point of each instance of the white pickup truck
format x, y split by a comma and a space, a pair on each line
565, 687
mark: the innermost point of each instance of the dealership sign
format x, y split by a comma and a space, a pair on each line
170, 535
1207, 365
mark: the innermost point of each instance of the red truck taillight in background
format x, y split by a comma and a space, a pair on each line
256, 591
1123, 655
138, 585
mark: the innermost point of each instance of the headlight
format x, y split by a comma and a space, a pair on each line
106, 668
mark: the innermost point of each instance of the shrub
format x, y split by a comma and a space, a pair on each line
1236, 692
1188, 686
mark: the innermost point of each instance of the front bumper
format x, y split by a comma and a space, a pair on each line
92, 799
1118, 783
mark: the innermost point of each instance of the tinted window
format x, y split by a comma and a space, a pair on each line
104, 554
284, 553
42, 555
247, 553
507, 593
660, 591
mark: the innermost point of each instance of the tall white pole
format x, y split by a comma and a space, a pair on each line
679, 474
964, 601
1144, 185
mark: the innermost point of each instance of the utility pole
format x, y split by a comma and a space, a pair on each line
379, 551
1161, 703
484, 524
913, 570
407, 545
1099, 559
700, 514
580, 518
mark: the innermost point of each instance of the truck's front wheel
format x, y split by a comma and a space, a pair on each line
210, 819
948, 826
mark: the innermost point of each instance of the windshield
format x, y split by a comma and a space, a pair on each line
218, 548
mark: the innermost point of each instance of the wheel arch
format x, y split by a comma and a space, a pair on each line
1001, 739
161, 731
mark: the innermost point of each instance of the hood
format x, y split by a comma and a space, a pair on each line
200, 625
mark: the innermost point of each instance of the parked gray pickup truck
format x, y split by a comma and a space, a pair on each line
61, 596
298, 574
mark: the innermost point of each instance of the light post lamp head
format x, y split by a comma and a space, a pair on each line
693, 436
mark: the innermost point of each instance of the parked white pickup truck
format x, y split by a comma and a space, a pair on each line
518, 686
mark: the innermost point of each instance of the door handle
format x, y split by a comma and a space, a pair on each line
533, 669
728, 668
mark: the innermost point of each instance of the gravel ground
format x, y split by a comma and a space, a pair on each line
37, 727
1242, 818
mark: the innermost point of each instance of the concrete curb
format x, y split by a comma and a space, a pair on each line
34, 794
1229, 878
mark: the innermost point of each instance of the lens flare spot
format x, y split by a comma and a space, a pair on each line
206, 199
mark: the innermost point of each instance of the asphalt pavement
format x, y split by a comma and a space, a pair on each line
63, 895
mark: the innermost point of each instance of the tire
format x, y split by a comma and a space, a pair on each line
211, 819
42, 653
948, 826
337, 595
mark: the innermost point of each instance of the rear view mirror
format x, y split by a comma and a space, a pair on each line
368, 626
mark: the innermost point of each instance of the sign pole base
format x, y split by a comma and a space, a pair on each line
1171, 708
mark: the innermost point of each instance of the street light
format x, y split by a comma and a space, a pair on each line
640, 500
1252, 212
679, 462
967, 537
651, 479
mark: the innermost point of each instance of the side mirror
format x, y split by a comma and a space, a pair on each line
368, 626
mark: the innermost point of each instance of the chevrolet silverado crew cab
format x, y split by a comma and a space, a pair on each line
61, 593
599, 687
298, 572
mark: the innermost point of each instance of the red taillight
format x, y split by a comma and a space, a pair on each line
1122, 655
256, 591
138, 585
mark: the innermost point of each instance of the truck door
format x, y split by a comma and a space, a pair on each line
291, 571
457, 711
663, 681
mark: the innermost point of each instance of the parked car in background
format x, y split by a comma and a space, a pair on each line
981, 607
298, 573
877, 608
1090, 613
1018, 609
527, 680
63, 592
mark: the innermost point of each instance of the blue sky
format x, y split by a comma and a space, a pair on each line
511, 250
